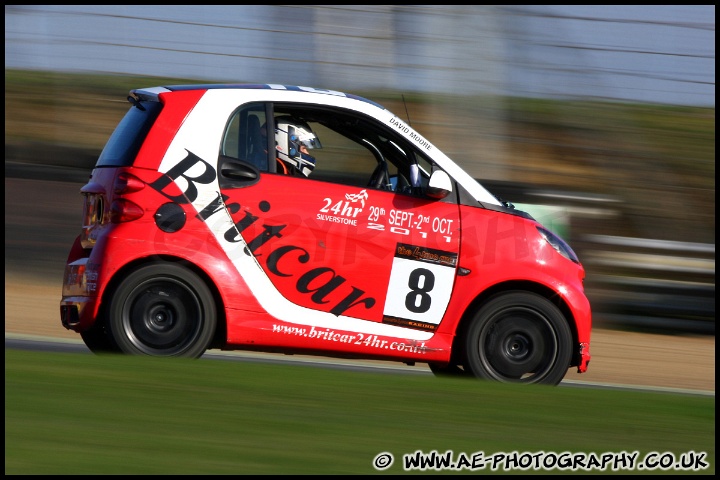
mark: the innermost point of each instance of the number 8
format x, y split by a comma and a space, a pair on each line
418, 301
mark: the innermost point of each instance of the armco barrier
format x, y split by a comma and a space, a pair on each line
651, 284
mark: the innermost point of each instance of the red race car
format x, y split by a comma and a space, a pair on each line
291, 219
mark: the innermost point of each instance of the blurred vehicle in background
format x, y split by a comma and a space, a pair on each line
380, 246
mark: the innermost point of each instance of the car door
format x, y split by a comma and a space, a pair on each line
343, 250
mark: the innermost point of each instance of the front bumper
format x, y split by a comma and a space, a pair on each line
584, 357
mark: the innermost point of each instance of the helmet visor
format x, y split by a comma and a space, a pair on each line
301, 136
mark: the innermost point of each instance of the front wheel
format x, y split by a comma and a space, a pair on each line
163, 310
519, 337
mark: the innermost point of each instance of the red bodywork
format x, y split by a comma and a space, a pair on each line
343, 269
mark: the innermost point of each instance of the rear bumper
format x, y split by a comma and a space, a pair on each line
76, 313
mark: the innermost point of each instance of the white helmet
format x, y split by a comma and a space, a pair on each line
290, 135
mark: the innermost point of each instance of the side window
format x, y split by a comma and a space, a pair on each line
326, 144
344, 147
341, 159
318, 143
347, 148
243, 139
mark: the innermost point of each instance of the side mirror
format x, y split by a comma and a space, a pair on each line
439, 186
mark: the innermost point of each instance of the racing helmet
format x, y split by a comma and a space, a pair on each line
290, 134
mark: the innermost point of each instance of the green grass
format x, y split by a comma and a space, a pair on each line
84, 414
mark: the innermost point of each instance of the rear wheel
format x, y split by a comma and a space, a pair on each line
162, 310
519, 337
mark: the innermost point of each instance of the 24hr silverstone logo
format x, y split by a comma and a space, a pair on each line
344, 211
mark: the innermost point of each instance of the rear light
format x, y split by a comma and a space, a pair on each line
123, 210
127, 183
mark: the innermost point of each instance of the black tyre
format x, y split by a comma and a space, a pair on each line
98, 339
519, 337
163, 310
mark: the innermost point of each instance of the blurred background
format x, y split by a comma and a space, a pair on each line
600, 120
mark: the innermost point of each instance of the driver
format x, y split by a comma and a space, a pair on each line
293, 141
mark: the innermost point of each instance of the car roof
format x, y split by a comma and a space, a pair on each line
473, 186
153, 92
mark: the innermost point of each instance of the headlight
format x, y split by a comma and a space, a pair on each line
558, 244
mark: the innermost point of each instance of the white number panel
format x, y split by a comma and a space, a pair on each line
421, 283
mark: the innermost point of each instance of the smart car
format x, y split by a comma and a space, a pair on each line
290, 219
